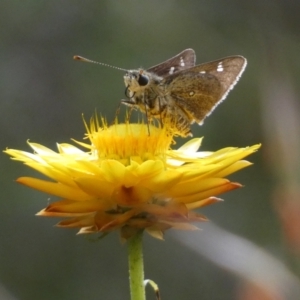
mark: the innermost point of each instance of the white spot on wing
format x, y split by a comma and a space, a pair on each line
220, 67
202, 72
182, 64
230, 88
171, 70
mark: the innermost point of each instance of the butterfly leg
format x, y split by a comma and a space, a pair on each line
160, 112
129, 102
116, 114
147, 117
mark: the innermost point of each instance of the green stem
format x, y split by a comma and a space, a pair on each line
136, 267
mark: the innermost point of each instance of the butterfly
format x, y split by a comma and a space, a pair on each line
180, 92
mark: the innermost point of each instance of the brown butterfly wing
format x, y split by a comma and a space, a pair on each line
198, 90
182, 61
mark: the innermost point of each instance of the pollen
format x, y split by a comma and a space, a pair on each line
129, 141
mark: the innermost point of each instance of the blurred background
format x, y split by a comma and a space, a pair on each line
251, 247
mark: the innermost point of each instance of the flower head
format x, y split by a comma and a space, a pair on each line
130, 180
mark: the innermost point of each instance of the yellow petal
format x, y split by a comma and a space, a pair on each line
208, 193
233, 168
131, 196
70, 149
96, 187
202, 203
54, 188
78, 222
162, 181
68, 206
191, 146
193, 186
42, 150
113, 171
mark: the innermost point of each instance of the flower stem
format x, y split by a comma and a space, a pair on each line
136, 267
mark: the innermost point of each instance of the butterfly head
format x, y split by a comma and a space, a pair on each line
136, 80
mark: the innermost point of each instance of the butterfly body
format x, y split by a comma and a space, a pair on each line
181, 92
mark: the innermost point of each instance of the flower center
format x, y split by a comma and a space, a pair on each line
138, 142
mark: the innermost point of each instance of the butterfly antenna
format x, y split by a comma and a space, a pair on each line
80, 58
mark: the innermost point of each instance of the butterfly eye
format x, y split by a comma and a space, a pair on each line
143, 80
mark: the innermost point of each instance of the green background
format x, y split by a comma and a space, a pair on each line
44, 93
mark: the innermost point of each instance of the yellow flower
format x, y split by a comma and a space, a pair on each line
130, 180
